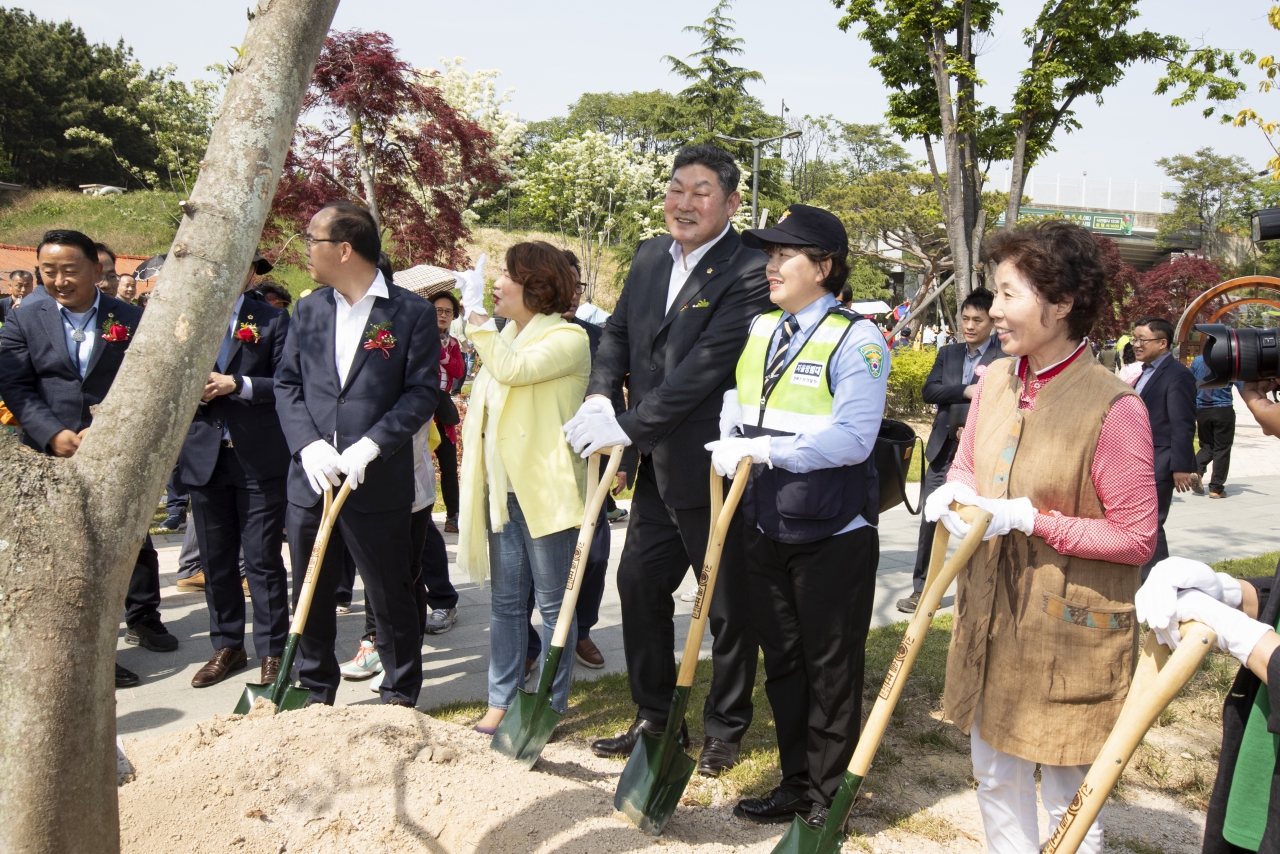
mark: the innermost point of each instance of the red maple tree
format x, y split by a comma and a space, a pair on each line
389, 141
1163, 291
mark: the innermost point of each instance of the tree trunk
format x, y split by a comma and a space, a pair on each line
922, 303
953, 205
71, 529
364, 162
1017, 173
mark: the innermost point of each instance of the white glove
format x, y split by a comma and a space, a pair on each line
595, 432
1157, 601
1007, 514
1238, 634
322, 463
591, 406
727, 453
356, 459
471, 283
730, 416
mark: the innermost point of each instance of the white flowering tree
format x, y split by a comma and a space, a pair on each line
586, 185
475, 94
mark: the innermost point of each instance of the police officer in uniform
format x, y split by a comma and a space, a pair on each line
810, 394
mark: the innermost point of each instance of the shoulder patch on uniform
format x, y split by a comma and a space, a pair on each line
873, 355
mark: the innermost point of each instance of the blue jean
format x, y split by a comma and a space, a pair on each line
516, 562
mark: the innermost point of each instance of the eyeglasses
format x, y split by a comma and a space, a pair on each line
444, 312
582, 288
312, 241
1137, 340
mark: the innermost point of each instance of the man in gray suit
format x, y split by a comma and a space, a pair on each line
950, 387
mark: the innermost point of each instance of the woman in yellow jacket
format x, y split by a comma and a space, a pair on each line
521, 484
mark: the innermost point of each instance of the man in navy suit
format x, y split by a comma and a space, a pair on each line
234, 463
21, 283
950, 386
58, 358
1169, 391
360, 376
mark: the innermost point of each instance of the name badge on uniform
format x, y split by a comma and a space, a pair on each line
807, 373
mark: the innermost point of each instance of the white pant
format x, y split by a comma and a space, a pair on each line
1007, 798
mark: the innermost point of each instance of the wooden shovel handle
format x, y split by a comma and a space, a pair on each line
590, 516
1158, 679
935, 586
332, 506
721, 516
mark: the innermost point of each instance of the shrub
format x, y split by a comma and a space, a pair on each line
910, 368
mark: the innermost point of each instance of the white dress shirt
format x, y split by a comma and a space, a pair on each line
684, 265
87, 322
246, 388
349, 323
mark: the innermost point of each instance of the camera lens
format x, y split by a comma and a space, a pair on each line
1233, 355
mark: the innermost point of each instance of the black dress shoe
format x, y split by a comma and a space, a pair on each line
778, 806
151, 635
622, 745
817, 817
126, 678
717, 757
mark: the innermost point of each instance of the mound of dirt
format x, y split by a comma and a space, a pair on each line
389, 779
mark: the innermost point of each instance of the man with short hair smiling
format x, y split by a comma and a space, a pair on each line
21, 283
58, 358
675, 336
358, 379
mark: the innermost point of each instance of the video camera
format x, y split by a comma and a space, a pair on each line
1233, 355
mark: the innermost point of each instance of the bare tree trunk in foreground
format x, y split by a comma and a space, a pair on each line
70, 529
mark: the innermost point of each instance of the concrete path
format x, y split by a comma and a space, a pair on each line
1246, 523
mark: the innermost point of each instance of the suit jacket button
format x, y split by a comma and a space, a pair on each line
218, 425
653, 366
342, 400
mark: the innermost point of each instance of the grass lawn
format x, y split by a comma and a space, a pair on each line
135, 223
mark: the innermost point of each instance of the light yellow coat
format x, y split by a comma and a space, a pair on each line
539, 378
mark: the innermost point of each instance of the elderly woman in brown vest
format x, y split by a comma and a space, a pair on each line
1044, 640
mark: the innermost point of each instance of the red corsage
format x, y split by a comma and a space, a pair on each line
248, 332
379, 337
114, 331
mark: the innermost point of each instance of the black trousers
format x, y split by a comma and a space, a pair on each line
142, 601
591, 592
811, 605
429, 551
447, 463
933, 478
175, 499
380, 544
231, 513
662, 543
1217, 428
1164, 497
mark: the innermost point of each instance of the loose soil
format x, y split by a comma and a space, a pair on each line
388, 779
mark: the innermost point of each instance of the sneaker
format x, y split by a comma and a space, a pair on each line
375, 684
365, 664
908, 605
451, 524
192, 583
530, 667
343, 607
616, 515
173, 523
151, 635
1197, 485
689, 595
441, 620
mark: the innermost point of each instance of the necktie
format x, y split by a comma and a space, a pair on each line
779, 361
224, 354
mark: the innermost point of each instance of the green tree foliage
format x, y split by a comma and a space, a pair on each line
717, 92
870, 148
52, 80
654, 122
1215, 196
868, 281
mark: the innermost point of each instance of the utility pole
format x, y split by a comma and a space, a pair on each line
755, 162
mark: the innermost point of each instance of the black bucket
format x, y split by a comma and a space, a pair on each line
894, 448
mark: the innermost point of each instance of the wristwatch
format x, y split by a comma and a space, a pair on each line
239, 384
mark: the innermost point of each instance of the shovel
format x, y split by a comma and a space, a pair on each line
800, 838
1157, 680
529, 722
658, 769
282, 692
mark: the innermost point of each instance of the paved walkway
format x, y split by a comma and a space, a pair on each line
1244, 524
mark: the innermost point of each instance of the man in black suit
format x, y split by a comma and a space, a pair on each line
675, 336
950, 387
233, 464
1169, 391
58, 358
21, 283
359, 378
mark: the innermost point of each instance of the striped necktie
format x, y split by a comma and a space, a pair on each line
779, 361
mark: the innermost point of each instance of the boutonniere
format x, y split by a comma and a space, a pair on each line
113, 331
379, 337
699, 304
248, 332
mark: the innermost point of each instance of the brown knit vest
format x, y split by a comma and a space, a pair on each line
1044, 641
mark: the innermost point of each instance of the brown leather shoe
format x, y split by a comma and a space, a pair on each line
270, 668
191, 584
223, 664
588, 654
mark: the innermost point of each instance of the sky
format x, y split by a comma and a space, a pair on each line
551, 53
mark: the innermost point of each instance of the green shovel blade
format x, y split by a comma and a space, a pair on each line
252, 691
527, 726
657, 773
800, 838
281, 692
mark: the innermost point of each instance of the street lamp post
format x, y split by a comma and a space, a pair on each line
755, 162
